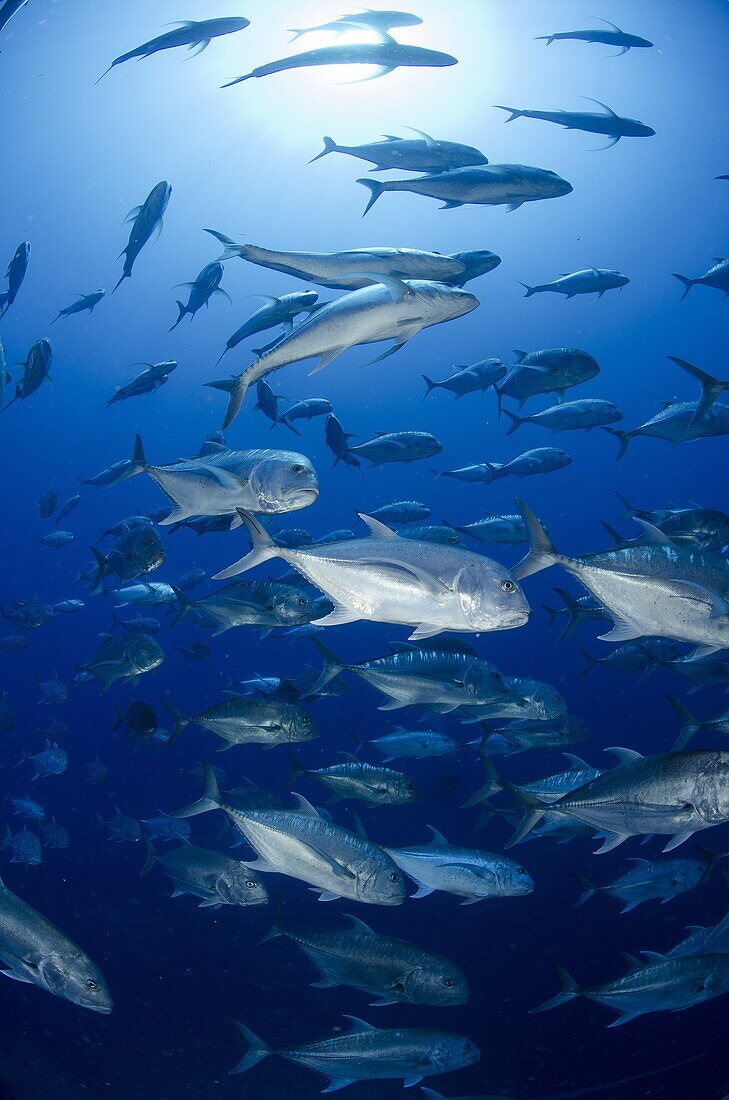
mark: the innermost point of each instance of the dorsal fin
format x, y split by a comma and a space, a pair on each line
359, 925
305, 807
438, 838
599, 102
654, 533
359, 1025
377, 529
625, 756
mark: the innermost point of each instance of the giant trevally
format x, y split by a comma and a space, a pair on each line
404, 744
138, 552
591, 280
540, 460
366, 1053
570, 416
592, 122
476, 378
83, 303
265, 604
716, 277
643, 656
578, 610
265, 481
507, 529
672, 794
35, 951
468, 873
385, 578
649, 880
303, 845
147, 220
215, 878
9, 9
613, 36
195, 35
36, 371
248, 720
202, 289
654, 590
401, 511
120, 660
17, 270
403, 447
395, 971
370, 783
423, 154
307, 409
509, 185
367, 19
660, 985
552, 370
275, 311
714, 940
705, 527
357, 267
386, 55
391, 309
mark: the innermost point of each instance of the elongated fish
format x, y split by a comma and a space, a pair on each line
202, 289
147, 220
83, 303
195, 35
592, 280
386, 55
15, 274
613, 36
509, 185
717, 277
423, 154
367, 19
604, 122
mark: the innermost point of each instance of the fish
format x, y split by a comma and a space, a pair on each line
8, 10
97, 771
119, 471
613, 36
386, 55
507, 529
17, 268
643, 656
578, 609
147, 220
121, 827
703, 940
434, 532
526, 734
351, 269
67, 506
705, 527
467, 873
121, 660
216, 879
36, 371
25, 846
592, 122
553, 370
29, 615
403, 447
509, 185
690, 725
438, 679
584, 414
476, 262
337, 440
56, 539
391, 309
401, 511
51, 690
377, 786
275, 311
84, 303
5, 376
717, 277
402, 744
307, 410
654, 590
669, 794
591, 280
267, 402
476, 378
659, 985
244, 720
385, 578
47, 502
52, 760
393, 970
266, 604
422, 154
305, 846
54, 835
28, 809
36, 952
526, 700
261, 480
139, 624
202, 289
147, 381
13, 643
366, 1053
195, 651
156, 593
195, 35
540, 460
166, 828
379, 21
191, 579
651, 880
137, 554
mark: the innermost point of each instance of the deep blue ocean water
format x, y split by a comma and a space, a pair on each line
76, 159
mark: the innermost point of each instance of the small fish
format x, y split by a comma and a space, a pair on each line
166, 828
404, 744
613, 36
18, 266
25, 846
379, 21
147, 219
195, 35
509, 185
121, 827
67, 507
377, 786
651, 880
306, 410
36, 371
14, 643
421, 154
51, 691
140, 624
244, 720
717, 277
28, 809
46, 503
54, 835
553, 370
29, 615
52, 760
148, 381
606, 122
275, 311
592, 280
401, 511
155, 593
477, 378
83, 303
508, 529
194, 577
97, 772
205, 286
403, 447
120, 660
195, 651
582, 415
216, 879
56, 539
541, 460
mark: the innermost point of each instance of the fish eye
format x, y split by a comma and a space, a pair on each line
90, 983
449, 982
297, 468
459, 683
394, 877
508, 586
251, 884
522, 871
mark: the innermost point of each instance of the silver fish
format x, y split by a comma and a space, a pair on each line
216, 879
509, 185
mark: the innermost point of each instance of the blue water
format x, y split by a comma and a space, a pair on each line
76, 159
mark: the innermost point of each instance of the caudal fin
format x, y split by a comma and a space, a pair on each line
100, 570
139, 460
376, 188
588, 891
333, 667
590, 662
183, 606
263, 548
542, 553
330, 146
516, 421
529, 290
568, 992
181, 722
685, 282
297, 768
236, 389
210, 799
547, 38
689, 725
182, 311
711, 387
623, 439
513, 113
230, 246
257, 1049
430, 386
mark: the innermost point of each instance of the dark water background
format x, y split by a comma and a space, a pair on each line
75, 159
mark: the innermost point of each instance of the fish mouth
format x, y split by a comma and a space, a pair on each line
303, 497
102, 1010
